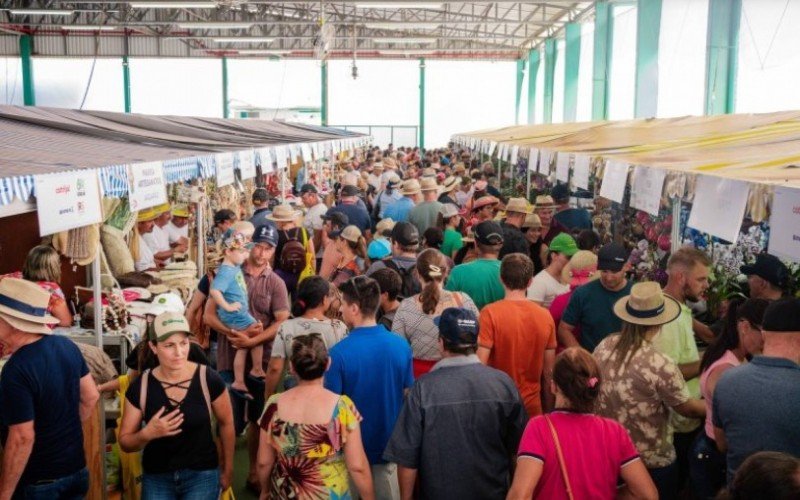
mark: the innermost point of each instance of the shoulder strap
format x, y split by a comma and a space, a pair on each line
560, 455
204, 388
457, 298
143, 391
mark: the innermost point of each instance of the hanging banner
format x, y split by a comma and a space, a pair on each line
646, 188
562, 167
147, 187
784, 223
718, 207
67, 201
281, 156
615, 179
545, 157
225, 173
580, 171
514, 155
315, 148
533, 158
492, 147
247, 164
305, 151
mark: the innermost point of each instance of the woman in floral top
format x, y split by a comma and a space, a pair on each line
641, 385
310, 442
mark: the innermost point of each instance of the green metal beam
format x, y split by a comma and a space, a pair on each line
549, 77
126, 83
533, 72
601, 70
572, 60
324, 80
422, 103
724, 17
226, 109
25, 51
648, 28
520, 78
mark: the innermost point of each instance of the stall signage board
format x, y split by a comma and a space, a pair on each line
646, 188
225, 175
147, 187
280, 158
247, 164
546, 157
492, 147
562, 167
580, 171
305, 151
514, 154
718, 207
67, 201
784, 223
615, 179
267, 158
533, 157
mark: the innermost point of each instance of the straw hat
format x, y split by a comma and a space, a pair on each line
544, 201
647, 305
160, 209
429, 184
518, 205
377, 166
459, 168
384, 226
284, 213
429, 172
351, 233
581, 269
180, 211
483, 201
448, 210
23, 304
147, 215
411, 187
451, 183
532, 220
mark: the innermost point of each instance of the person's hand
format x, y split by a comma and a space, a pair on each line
241, 340
225, 477
233, 307
162, 425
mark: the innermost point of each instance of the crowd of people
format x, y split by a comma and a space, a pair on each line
421, 335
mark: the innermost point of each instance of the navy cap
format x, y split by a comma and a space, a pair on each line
350, 191
337, 218
769, 268
308, 188
266, 233
612, 257
560, 192
488, 232
458, 326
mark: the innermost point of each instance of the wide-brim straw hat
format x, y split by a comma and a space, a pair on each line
147, 215
384, 226
581, 269
483, 201
545, 201
180, 211
284, 213
647, 305
23, 304
518, 205
451, 183
429, 184
532, 220
449, 210
411, 187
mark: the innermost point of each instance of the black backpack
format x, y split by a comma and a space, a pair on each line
411, 284
293, 254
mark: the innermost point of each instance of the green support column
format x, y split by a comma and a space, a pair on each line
549, 77
324, 80
601, 64
520, 77
534, 57
25, 51
126, 83
226, 110
422, 103
648, 27
722, 51
572, 60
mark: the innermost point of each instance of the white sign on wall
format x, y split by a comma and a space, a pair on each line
146, 186
545, 157
784, 223
580, 171
225, 173
646, 188
67, 201
247, 164
718, 207
562, 167
615, 179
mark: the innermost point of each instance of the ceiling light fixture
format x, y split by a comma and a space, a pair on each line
233, 39
173, 5
41, 12
402, 26
405, 40
400, 5
214, 26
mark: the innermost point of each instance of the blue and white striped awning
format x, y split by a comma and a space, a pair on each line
114, 181
15, 187
181, 170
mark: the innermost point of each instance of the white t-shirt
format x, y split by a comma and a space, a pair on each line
157, 240
545, 288
375, 181
176, 233
313, 219
332, 331
147, 259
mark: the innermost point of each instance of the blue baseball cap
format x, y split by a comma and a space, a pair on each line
266, 233
379, 248
458, 326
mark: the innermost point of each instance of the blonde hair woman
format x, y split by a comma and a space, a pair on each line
43, 267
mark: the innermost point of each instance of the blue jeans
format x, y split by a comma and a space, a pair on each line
666, 481
707, 467
72, 487
185, 484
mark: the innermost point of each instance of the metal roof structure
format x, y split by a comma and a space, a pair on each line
343, 29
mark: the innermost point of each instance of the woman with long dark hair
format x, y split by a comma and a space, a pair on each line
740, 338
353, 248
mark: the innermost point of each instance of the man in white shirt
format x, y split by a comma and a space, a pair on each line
158, 238
375, 178
178, 227
547, 285
144, 259
315, 209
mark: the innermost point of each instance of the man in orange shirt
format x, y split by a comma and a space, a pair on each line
518, 336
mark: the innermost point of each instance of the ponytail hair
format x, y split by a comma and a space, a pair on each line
431, 267
310, 294
359, 247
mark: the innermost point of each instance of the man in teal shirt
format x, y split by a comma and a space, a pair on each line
480, 279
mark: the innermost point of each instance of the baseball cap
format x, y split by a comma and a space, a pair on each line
166, 325
560, 192
337, 218
564, 243
379, 248
488, 233
405, 234
457, 325
234, 242
782, 315
612, 257
350, 191
308, 188
266, 233
769, 268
